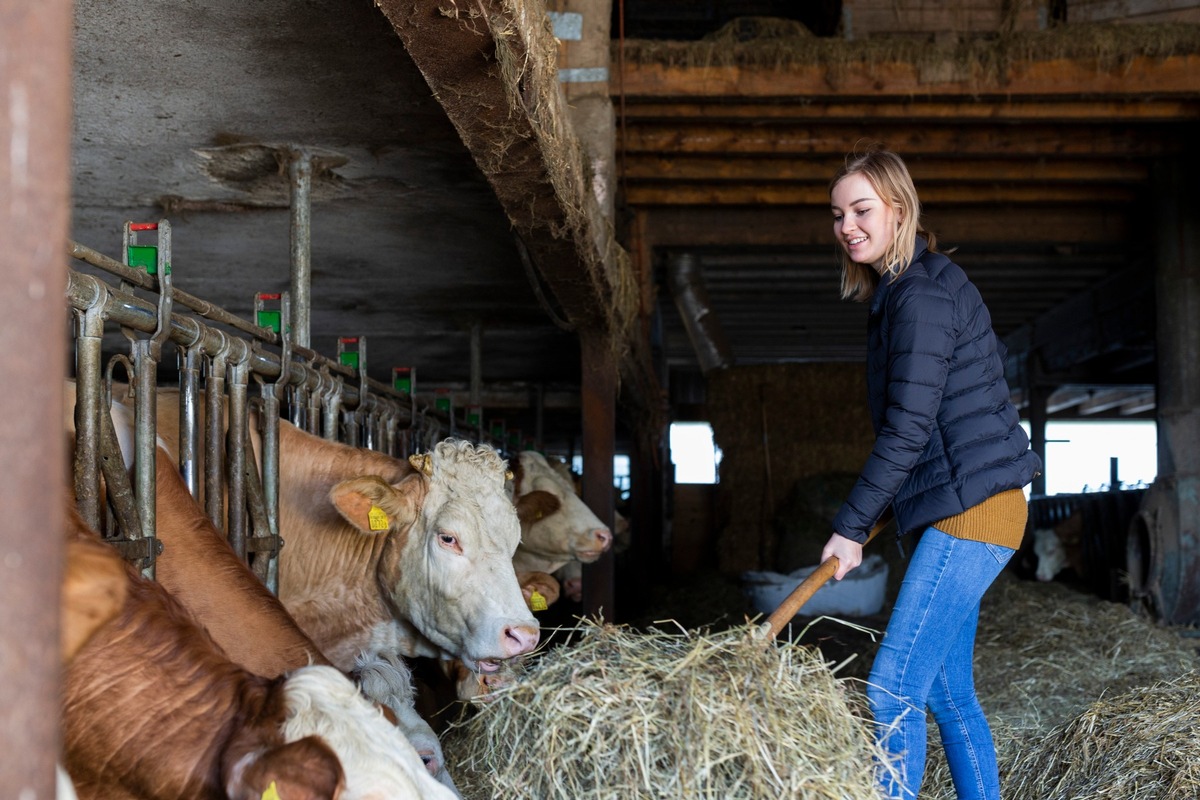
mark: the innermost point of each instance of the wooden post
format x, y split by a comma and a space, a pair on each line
35, 154
1038, 395
598, 398
1176, 572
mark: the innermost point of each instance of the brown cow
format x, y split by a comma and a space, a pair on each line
93, 592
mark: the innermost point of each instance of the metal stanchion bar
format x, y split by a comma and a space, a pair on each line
134, 312
215, 313
88, 369
189, 394
235, 450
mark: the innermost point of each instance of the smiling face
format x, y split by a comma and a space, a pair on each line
863, 223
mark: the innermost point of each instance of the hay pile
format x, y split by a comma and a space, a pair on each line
623, 714
1044, 655
1044, 652
1141, 744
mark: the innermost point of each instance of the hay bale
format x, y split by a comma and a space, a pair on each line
1144, 744
623, 714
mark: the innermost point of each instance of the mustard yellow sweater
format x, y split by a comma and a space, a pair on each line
998, 520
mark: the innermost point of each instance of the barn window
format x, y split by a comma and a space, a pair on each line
1079, 454
620, 473
694, 453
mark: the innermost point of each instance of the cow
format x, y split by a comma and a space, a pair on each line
152, 708
1060, 548
556, 525
201, 571
382, 557
93, 592
570, 575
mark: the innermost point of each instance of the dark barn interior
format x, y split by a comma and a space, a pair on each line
564, 225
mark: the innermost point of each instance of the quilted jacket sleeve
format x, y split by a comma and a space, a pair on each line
921, 330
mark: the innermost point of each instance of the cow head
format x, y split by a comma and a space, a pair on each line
556, 525
446, 566
1051, 555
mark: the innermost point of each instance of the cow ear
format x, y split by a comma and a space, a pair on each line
370, 504
306, 769
535, 505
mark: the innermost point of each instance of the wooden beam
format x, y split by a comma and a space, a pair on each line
835, 139
1058, 109
924, 170
708, 194
779, 226
1138, 77
495, 74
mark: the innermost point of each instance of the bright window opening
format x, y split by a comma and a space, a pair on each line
694, 453
1079, 453
620, 473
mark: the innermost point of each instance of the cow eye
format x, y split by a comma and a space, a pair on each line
449, 541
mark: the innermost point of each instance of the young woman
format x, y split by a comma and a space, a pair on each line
950, 460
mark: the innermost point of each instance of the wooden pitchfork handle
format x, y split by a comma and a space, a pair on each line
801, 594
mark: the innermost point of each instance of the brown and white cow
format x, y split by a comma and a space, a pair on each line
556, 525
434, 579
152, 708
200, 569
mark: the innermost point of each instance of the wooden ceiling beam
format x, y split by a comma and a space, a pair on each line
744, 194
1136, 77
495, 73
636, 167
1057, 109
1033, 140
781, 226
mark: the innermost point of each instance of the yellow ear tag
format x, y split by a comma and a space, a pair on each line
271, 793
537, 602
377, 519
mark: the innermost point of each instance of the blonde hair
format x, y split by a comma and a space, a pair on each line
889, 178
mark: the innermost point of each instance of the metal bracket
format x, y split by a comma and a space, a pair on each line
137, 550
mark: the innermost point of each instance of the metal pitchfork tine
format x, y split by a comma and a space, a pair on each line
792, 604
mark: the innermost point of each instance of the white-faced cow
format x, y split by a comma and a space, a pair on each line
152, 708
200, 569
382, 557
556, 525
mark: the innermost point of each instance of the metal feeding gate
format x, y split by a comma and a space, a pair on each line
326, 397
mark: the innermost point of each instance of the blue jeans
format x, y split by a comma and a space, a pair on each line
925, 661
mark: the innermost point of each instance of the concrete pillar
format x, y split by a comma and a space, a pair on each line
35, 157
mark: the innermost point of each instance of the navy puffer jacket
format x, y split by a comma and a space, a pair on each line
947, 437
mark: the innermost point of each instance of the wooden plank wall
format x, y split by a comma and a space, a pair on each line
862, 19
1142, 11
